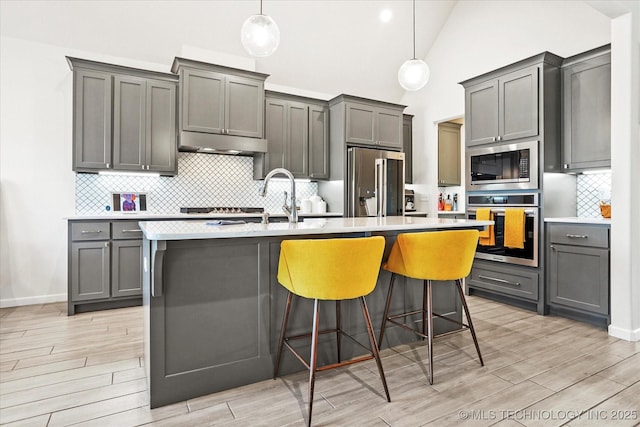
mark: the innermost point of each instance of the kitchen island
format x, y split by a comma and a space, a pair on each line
213, 305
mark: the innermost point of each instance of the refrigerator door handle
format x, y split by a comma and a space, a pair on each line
381, 185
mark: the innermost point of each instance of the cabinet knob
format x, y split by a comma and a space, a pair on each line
493, 139
108, 166
566, 166
499, 138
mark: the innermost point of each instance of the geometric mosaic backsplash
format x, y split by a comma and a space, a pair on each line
591, 189
203, 180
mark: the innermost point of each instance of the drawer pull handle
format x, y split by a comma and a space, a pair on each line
132, 231
90, 231
480, 276
577, 236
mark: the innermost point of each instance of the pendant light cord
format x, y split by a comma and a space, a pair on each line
414, 27
262, 13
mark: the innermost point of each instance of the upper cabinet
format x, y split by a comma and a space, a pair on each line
297, 129
449, 158
407, 147
124, 119
586, 110
221, 109
369, 122
515, 102
503, 108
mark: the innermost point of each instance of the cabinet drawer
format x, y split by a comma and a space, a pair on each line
90, 231
580, 235
505, 280
126, 230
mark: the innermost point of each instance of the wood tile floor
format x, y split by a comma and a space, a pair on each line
539, 371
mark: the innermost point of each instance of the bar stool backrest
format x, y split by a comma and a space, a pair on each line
434, 255
331, 269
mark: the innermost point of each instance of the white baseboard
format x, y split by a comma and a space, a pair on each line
42, 299
624, 334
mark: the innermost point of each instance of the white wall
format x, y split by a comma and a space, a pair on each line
481, 36
37, 186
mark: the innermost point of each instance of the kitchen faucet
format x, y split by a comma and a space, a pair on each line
290, 210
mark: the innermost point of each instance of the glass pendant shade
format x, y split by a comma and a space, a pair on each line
260, 35
413, 74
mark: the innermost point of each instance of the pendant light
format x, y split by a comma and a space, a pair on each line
414, 73
260, 35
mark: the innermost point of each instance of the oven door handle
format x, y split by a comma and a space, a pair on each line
529, 212
495, 279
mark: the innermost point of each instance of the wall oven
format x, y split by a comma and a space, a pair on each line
503, 167
498, 203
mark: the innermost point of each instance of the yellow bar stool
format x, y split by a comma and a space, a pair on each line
329, 269
431, 256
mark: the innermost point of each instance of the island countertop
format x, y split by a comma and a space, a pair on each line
188, 230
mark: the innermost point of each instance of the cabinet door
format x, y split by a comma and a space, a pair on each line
92, 120
449, 154
587, 114
407, 147
297, 153
481, 115
129, 95
389, 128
89, 270
161, 127
276, 129
318, 142
203, 101
126, 268
360, 124
244, 103
518, 104
579, 277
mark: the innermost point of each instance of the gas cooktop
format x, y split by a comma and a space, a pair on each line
221, 210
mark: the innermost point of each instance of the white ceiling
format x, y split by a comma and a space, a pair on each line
327, 46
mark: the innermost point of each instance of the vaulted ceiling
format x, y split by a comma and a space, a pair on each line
327, 46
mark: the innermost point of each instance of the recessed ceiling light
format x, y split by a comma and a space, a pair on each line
385, 15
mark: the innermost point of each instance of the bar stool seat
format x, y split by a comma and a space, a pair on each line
431, 256
329, 269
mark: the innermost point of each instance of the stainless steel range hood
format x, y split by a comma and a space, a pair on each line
220, 144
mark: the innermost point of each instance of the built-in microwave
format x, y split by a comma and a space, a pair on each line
503, 167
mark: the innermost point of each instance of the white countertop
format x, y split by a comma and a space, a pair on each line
187, 230
577, 220
183, 216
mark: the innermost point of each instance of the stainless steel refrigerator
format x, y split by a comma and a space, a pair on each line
375, 182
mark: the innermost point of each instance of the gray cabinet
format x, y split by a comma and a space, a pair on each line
144, 125
503, 108
578, 270
449, 158
124, 119
105, 265
298, 135
586, 110
92, 123
407, 147
372, 123
214, 100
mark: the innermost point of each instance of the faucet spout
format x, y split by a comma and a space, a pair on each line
290, 210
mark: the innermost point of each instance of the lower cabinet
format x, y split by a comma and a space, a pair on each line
105, 265
578, 271
512, 281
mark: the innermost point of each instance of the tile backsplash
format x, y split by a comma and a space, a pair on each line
591, 189
203, 180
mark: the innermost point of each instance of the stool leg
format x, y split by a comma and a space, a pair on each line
285, 320
424, 308
471, 328
374, 346
338, 329
430, 329
386, 308
314, 355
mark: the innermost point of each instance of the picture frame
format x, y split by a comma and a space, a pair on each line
129, 202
